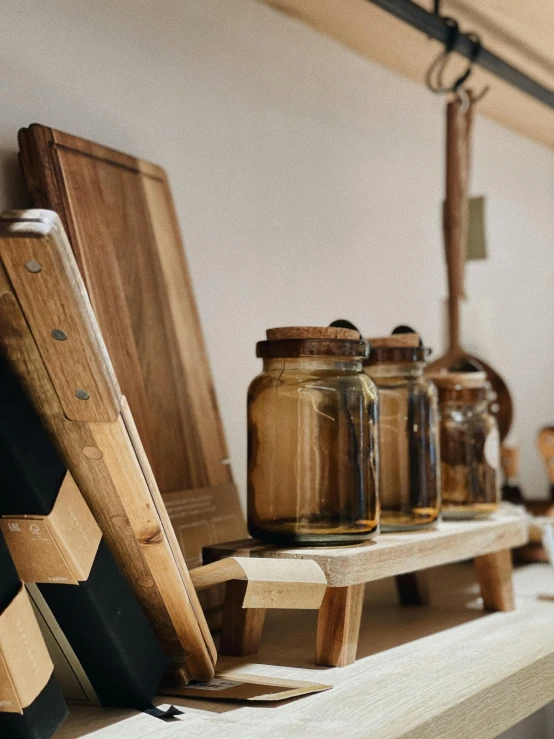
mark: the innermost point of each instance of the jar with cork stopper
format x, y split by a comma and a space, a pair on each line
470, 445
409, 477
312, 439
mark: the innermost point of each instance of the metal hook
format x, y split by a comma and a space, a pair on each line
435, 74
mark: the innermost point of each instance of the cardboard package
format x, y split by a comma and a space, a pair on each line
31, 701
105, 651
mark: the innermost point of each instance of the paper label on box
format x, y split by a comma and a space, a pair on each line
58, 548
25, 665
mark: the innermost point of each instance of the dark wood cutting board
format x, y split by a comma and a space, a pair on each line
120, 219
119, 215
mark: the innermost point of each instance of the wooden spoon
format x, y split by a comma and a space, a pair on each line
455, 225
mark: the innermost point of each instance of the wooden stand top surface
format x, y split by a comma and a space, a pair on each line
397, 553
444, 670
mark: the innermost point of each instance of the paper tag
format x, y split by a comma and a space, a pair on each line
58, 548
25, 665
245, 687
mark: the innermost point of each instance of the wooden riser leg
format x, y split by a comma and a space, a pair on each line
242, 628
494, 573
338, 626
412, 589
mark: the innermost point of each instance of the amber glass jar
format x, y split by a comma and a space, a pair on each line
409, 470
312, 440
470, 446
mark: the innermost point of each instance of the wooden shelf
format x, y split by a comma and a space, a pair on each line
347, 569
444, 670
399, 553
518, 33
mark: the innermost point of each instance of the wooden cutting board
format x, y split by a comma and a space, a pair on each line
51, 339
120, 219
118, 213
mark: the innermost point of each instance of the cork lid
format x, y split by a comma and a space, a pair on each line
311, 341
395, 341
311, 332
400, 348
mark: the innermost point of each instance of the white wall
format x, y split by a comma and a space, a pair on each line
307, 180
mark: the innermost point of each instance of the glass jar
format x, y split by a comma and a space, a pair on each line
470, 446
409, 471
312, 445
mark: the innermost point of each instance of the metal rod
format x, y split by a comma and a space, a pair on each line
434, 27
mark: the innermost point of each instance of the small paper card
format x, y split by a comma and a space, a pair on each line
246, 687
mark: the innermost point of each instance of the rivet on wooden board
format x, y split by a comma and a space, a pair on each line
92, 452
82, 394
58, 334
33, 266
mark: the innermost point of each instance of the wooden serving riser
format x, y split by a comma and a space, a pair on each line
403, 555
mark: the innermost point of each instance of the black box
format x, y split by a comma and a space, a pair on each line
100, 617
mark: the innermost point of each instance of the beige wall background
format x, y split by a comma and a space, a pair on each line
307, 180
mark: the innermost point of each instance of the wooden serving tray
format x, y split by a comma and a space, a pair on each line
399, 555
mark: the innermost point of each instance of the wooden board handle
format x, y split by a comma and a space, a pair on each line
49, 287
545, 443
455, 212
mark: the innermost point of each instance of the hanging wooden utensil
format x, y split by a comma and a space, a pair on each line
455, 226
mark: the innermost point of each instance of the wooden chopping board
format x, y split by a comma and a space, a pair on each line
120, 219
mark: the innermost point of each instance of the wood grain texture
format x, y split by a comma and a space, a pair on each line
121, 224
78, 361
397, 553
338, 626
104, 463
242, 628
402, 555
270, 583
443, 672
494, 572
